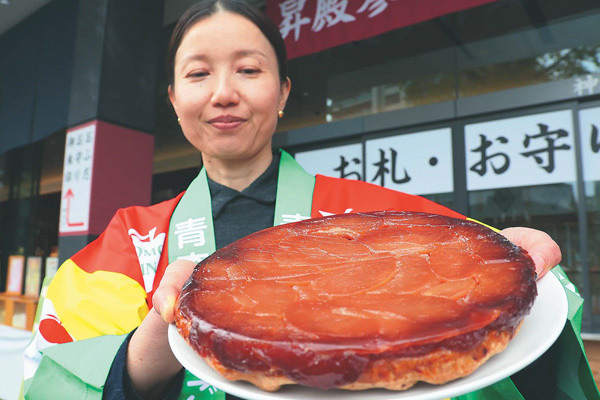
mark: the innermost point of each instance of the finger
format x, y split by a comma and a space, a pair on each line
541, 267
165, 306
166, 294
545, 256
544, 251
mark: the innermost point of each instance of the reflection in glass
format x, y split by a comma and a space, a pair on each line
531, 70
445, 199
4, 185
52, 163
567, 63
359, 101
592, 197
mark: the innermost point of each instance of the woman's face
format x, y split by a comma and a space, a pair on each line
227, 90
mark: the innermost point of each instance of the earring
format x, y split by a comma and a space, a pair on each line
179, 120
280, 113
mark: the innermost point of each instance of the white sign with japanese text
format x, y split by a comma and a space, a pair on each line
522, 151
338, 162
77, 180
589, 129
416, 163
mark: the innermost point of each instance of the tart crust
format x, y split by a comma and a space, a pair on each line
437, 367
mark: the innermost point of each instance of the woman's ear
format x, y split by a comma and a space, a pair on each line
286, 86
172, 97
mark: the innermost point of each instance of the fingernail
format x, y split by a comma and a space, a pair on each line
538, 262
167, 307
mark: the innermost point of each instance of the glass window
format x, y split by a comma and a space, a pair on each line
4, 184
592, 197
19, 172
531, 70
445, 199
52, 163
481, 50
400, 84
30, 183
29, 167
589, 122
399, 69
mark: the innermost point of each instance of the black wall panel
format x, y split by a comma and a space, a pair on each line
35, 68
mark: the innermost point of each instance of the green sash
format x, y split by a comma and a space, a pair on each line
192, 237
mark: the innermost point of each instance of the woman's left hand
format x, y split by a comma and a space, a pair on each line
544, 251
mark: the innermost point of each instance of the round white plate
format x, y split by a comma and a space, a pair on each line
539, 331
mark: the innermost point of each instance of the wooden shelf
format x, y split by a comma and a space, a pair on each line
30, 303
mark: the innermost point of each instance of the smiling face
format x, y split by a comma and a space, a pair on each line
227, 89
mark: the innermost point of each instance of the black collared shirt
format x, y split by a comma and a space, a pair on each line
238, 214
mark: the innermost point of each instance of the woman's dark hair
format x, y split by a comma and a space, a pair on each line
208, 8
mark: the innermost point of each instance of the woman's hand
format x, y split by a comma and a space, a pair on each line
166, 294
151, 364
544, 251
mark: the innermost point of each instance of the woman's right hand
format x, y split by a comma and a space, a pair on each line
167, 292
151, 364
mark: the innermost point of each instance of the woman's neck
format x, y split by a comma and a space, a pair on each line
237, 174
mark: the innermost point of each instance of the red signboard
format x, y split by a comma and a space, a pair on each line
309, 26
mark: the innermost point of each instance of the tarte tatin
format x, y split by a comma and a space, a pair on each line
356, 301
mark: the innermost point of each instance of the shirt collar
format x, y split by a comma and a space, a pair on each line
262, 190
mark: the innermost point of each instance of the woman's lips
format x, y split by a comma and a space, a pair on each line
226, 122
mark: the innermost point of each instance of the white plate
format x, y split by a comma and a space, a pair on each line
539, 331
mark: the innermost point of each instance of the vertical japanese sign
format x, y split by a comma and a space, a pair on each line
416, 163
77, 180
338, 162
308, 26
589, 128
522, 151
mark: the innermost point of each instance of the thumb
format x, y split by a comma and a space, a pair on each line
542, 249
164, 304
170, 287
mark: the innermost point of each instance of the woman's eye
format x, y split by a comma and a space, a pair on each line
197, 74
249, 71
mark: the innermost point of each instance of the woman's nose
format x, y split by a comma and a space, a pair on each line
225, 92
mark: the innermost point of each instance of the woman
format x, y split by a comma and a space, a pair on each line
228, 86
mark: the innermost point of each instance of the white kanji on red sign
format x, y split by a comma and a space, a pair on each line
375, 7
291, 12
329, 13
